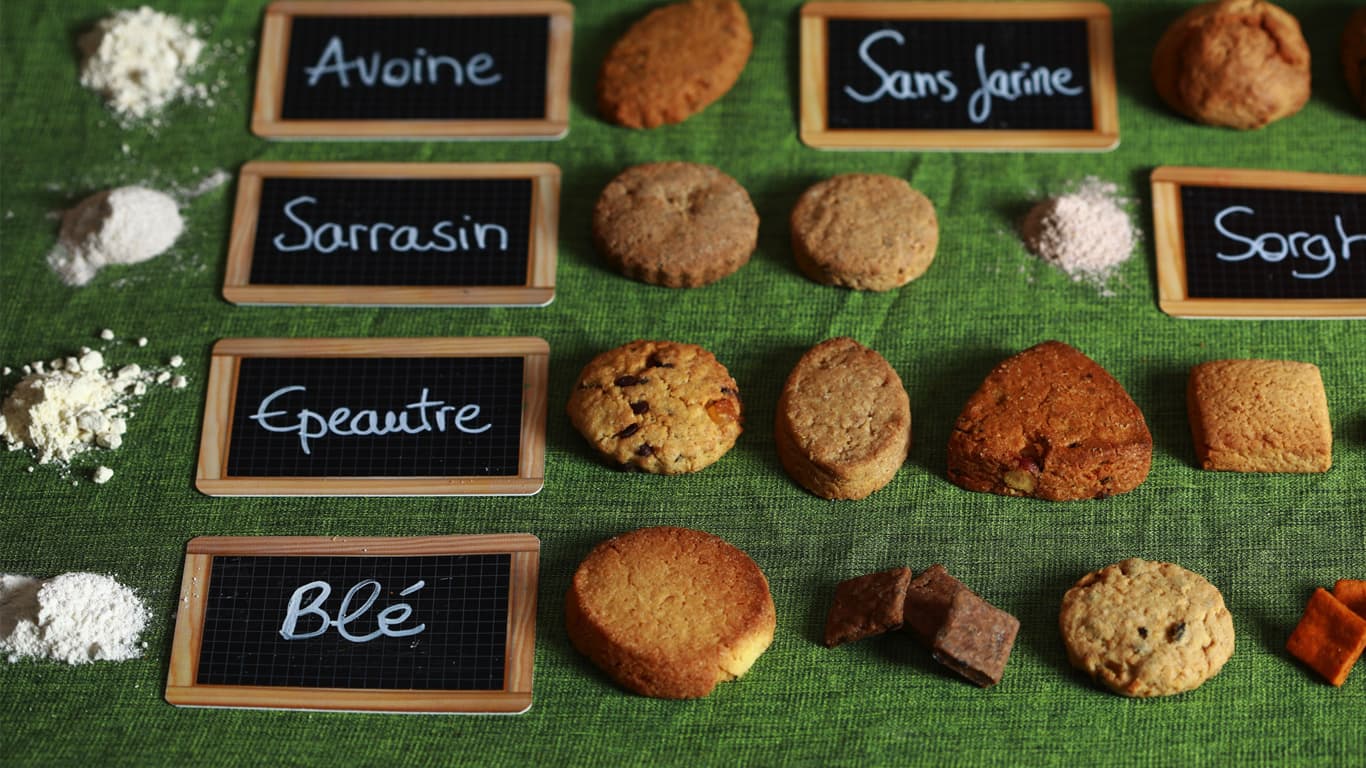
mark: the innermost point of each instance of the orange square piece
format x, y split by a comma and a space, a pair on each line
1352, 593
1329, 637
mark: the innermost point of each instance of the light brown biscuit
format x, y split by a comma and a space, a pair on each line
674, 62
1354, 56
1235, 63
677, 225
1259, 416
866, 606
1052, 424
1146, 628
657, 406
864, 231
670, 612
844, 421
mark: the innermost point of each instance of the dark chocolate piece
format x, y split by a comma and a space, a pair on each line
928, 600
866, 606
976, 639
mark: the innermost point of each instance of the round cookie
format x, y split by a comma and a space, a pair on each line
1146, 628
670, 612
678, 225
1235, 63
1354, 56
865, 231
657, 406
844, 421
674, 62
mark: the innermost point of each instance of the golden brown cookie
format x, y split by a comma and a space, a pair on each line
1145, 628
670, 612
674, 62
865, 231
844, 421
1354, 56
1259, 416
1235, 63
678, 225
1052, 424
657, 406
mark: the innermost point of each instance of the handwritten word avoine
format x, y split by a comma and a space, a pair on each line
387, 619
422, 68
1274, 247
446, 236
424, 415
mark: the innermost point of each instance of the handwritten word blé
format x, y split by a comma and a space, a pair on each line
380, 236
399, 72
1274, 247
425, 415
387, 619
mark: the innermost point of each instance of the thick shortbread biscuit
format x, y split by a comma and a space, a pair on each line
1260, 416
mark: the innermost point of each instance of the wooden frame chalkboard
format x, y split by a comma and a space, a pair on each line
531, 102
476, 602
1295, 241
375, 417
935, 105
519, 203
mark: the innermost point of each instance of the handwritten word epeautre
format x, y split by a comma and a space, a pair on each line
415, 419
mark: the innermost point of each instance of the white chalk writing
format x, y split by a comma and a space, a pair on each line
399, 72
1274, 247
386, 619
446, 236
425, 415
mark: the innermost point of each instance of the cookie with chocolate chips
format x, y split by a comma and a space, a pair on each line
657, 406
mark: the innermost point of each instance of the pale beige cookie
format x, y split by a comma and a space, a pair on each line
670, 612
678, 225
844, 421
657, 406
1235, 63
1146, 628
1354, 56
1259, 416
865, 231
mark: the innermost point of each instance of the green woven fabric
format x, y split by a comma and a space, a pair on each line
1265, 540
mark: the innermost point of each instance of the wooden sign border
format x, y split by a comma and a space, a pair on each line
1173, 296
267, 110
211, 477
814, 68
542, 240
182, 690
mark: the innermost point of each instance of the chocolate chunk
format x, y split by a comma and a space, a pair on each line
640, 407
628, 381
927, 601
655, 362
976, 639
629, 430
645, 449
1176, 632
866, 606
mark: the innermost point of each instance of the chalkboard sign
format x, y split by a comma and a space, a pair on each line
374, 417
972, 75
428, 624
414, 68
394, 234
1247, 243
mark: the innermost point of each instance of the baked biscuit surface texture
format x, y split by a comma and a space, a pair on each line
1234, 63
843, 427
1354, 56
670, 612
674, 62
1052, 424
865, 606
864, 231
678, 225
1145, 628
1259, 416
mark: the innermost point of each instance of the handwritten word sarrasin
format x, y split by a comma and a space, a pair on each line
1022, 81
421, 68
1322, 251
423, 415
387, 619
445, 236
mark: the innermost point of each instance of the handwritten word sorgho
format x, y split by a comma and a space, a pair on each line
445, 236
424, 415
387, 619
1274, 247
422, 68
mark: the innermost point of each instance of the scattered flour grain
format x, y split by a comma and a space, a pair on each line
139, 61
1086, 233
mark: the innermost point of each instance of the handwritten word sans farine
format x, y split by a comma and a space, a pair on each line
1025, 80
424, 415
387, 619
445, 236
398, 72
1321, 250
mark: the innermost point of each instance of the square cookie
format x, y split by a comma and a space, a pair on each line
976, 639
1259, 416
866, 606
927, 602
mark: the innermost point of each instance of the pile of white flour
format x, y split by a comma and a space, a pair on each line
76, 618
1086, 233
125, 225
139, 61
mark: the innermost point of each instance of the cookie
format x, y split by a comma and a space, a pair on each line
657, 406
864, 231
1329, 637
678, 225
1354, 56
844, 421
669, 612
1259, 416
674, 62
976, 639
866, 606
1144, 628
1052, 424
1234, 63
928, 599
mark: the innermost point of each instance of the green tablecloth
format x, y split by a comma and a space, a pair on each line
1265, 540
